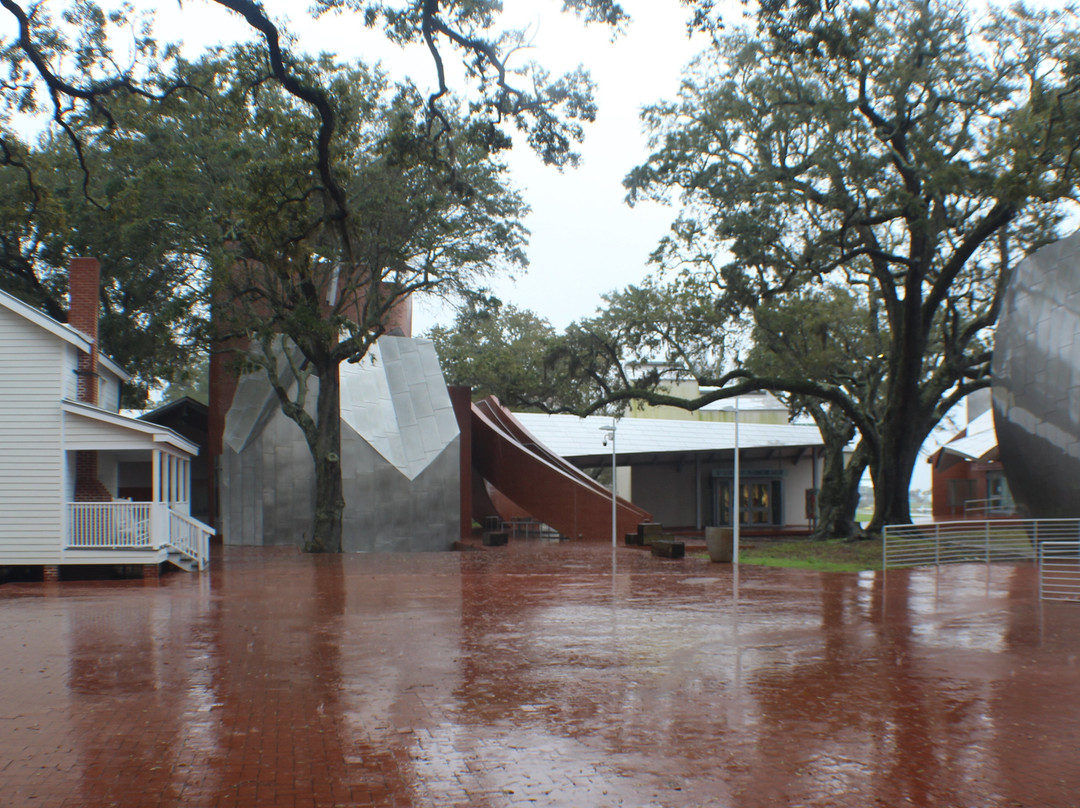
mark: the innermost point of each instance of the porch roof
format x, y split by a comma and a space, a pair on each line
101, 429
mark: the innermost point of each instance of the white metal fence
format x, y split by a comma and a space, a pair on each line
991, 506
1059, 570
969, 541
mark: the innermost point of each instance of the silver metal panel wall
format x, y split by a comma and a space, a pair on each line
386, 511
401, 476
1036, 387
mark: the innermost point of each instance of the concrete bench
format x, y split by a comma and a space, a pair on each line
495, 538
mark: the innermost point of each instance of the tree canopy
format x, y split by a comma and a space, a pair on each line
910, 152
143, 212
497, 349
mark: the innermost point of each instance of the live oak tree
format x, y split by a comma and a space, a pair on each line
825, 334
309, 302
359, 224
905, 150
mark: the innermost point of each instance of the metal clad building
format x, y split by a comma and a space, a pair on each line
400, 448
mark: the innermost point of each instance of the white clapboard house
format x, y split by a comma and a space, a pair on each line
67, 455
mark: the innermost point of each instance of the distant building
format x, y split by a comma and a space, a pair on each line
682, 471
967, 474
760, 407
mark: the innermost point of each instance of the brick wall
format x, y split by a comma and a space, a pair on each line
84, 291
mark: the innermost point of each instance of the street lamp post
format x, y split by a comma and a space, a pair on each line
737, 498
609, 434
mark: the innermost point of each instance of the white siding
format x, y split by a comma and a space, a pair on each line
31, 384
800, 477
70, 377
108, 391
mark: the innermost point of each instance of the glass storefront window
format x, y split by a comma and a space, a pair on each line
759, 503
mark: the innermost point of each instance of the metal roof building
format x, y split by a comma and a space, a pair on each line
682, 470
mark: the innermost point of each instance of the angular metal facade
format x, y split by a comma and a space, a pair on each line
1036, 386
400, 449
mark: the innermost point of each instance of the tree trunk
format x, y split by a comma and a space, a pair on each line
838, 498
838, 494
326, 452
892, 478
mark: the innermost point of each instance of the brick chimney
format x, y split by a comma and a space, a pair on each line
84, 290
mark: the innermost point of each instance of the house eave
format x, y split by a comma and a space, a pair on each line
154, 432
65, 332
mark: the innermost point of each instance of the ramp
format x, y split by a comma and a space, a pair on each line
540, 482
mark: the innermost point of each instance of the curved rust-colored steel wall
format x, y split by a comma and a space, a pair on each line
549, 488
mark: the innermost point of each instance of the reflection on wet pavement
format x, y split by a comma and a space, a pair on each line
529, 675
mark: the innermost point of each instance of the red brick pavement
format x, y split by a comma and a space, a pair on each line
529, 675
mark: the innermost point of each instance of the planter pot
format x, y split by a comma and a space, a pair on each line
721, 544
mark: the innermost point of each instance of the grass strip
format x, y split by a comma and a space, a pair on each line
831, 555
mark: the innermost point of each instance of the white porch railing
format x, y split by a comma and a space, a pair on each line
137, 526
111, 525
972, 541
189, 536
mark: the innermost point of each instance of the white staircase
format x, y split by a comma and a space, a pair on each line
182, 560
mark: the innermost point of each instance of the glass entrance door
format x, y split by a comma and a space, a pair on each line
759, 503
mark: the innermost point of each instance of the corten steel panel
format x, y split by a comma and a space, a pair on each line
461, 399
1036, 371
549, 488
508, 423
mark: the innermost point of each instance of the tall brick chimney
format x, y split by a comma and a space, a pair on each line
84, 290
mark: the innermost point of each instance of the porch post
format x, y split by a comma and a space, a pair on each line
169, 476
155, 499
155, 465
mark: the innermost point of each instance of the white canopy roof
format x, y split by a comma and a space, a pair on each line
579, 438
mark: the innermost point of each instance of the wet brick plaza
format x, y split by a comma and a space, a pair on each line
531, 676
